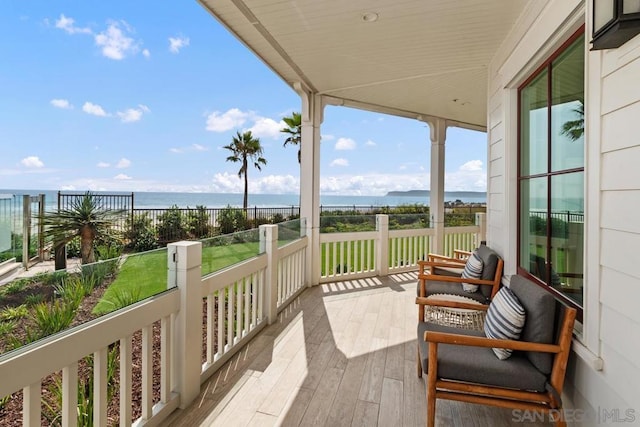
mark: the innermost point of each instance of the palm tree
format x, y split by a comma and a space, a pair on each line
294, 129
574, 129
244, 148
85, 219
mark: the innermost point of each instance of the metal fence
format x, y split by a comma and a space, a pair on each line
114, 202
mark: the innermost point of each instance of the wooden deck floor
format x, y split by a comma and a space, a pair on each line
342, 354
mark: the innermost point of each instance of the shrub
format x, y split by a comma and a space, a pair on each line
52, 318
231, 220
33, 299
14, 313
171, 226
122, 298
15, 287
198, 224
73, 248
140, 233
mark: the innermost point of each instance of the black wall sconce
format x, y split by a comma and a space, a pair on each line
614, 22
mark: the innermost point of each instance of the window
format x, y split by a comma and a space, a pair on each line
551, 173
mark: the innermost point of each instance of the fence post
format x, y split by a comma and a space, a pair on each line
26, 229
382, 245
481, 221
269, 245
184, 263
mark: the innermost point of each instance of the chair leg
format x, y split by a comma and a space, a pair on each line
432, 374
431, 403
419, 363
559, 420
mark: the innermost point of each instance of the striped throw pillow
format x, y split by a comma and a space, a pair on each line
505, 319
472, 270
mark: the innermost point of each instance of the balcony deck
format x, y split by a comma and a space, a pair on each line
342, 353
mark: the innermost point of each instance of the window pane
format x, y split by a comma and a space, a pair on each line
533, 126
533, 225
567, 108
604, 12
567, 235
631, 6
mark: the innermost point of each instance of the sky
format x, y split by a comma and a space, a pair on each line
142, 96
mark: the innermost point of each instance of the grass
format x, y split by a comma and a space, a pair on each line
144, 275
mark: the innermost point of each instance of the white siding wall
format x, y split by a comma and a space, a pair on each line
611, 333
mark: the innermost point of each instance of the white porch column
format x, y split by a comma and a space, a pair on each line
438, 132
312, 117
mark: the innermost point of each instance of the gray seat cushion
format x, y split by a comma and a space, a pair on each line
539, 326
433, 287
479, 364
448, 271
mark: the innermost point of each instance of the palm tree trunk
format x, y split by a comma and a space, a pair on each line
86, 246
245, 201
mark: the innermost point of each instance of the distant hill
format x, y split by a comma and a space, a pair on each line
426, 193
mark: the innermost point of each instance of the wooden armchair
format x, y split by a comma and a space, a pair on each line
466, 368
442, 275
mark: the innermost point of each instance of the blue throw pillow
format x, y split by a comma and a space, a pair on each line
505, 319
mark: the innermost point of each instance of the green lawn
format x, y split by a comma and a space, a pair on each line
143, 275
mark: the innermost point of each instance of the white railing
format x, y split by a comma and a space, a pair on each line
348, 255
354, 255
291, 271
238, 302
407, 247
466, 238
30, 366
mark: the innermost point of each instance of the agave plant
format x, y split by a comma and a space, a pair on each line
84, 218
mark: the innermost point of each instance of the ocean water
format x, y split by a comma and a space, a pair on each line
147, 200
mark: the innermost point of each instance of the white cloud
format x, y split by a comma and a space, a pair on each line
123, 163
371, 184
67, 24
345, 144
339, 162
130, 115
122, 177
114, 41
133, 114
103, 165
177, 43
146, 53
32, 162
94, 109
61, 103
370, 143
266, 128
327, 137
217, 122
469, 177
271, 184
472, 165
192, 147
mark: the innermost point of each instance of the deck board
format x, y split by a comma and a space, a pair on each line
339, 355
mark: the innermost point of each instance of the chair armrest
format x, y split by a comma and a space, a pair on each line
456, 339
428, 265
461, 255
442, 258
451, 304
454, 279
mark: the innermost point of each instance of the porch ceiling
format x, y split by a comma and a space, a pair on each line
420, 58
